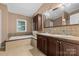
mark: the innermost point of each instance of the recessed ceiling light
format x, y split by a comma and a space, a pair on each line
33, 9
55, 13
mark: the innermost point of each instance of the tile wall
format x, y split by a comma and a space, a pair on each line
66, 30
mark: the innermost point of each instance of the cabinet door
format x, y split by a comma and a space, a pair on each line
39, 42
53, 47
44, 45
40, 22
37, 22
68, 49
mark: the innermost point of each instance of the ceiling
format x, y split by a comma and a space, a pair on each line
27, 9
69, 8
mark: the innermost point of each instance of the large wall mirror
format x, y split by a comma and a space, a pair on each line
64, 14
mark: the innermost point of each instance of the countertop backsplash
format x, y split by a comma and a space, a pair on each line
65, 30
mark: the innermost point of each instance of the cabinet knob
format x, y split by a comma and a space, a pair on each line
57, 41
60, 42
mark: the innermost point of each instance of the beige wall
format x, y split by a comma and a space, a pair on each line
12, 22
4, 22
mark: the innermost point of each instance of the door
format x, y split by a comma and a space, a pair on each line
53, 47
68, 49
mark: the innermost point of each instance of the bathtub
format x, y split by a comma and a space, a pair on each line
21, 37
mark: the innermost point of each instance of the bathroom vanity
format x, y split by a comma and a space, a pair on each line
58, 45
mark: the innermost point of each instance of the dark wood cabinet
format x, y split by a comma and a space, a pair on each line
52, 46
37, 22
69, 49
39, 43
42, 44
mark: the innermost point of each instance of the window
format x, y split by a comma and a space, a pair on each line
21, 25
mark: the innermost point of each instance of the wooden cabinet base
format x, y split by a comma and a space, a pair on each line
52, 46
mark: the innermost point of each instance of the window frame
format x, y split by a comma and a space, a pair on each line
25, 25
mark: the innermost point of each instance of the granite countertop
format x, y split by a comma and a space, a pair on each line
69, 38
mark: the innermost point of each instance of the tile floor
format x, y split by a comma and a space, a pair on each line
26, 50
